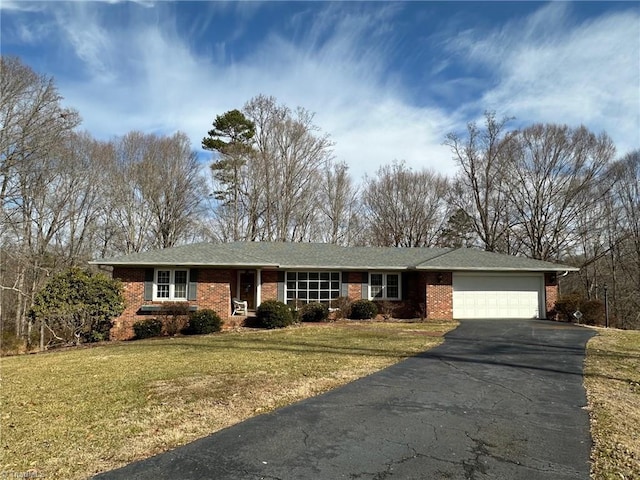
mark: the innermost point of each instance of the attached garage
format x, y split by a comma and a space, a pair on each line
486, 295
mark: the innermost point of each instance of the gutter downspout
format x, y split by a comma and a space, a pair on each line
258, 287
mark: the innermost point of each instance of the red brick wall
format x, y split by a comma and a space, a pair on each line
214, 292
421, 290
269, 285
550, 292
354, 290
433, 290
439, 295
133, 291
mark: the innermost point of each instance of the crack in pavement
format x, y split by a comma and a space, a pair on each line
471, 415
484, 380
388, 471
481, 448
471, 467
305, 439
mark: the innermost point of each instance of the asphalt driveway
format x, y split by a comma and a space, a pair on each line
500, 399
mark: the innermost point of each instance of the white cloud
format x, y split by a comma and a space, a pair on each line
90, 40
21, 6
143, 75
163, 86
548, 70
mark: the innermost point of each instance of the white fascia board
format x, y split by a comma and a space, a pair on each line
500, 269
188, 264
350, 268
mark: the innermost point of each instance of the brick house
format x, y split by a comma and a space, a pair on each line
436, 283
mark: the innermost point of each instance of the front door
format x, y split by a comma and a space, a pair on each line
248, 288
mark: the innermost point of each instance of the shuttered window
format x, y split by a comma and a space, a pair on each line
170, 284
384, 286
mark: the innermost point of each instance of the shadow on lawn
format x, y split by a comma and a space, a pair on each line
286, 345
554, 355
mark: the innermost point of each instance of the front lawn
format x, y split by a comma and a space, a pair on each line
612, 380
70, 414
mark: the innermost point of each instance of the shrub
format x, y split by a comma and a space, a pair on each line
100, 332
174, 317
10, 343
274, 314
592, 310
148, 328
203, 322
363, 309
313, 312
387, 309
343, 306
77, 306
566, 305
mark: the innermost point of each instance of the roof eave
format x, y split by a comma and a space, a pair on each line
183, 264
561, 268
353, 268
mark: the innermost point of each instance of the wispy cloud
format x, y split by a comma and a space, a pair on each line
21, 6
145, 71
81, 24
548, 69
148, 77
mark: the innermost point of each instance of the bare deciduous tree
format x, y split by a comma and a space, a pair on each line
624, 272
174, 189
126, 224
405, 208
483, 155
339, 206
290, 156
155, 189
34, 130
276, 175
551, 181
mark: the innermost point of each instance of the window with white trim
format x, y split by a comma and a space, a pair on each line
311, 287
170, 284
384, 286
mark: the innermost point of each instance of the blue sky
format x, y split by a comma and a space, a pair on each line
386, 80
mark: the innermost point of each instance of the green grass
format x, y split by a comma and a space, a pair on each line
70, 414
612, 381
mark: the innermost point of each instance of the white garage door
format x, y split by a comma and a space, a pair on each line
497, 296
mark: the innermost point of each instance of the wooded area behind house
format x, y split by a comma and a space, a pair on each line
551, 192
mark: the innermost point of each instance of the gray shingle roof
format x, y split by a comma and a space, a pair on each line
327, 256
223, 254
472, 259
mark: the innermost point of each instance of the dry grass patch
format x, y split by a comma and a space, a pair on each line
75, 413
612, 381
